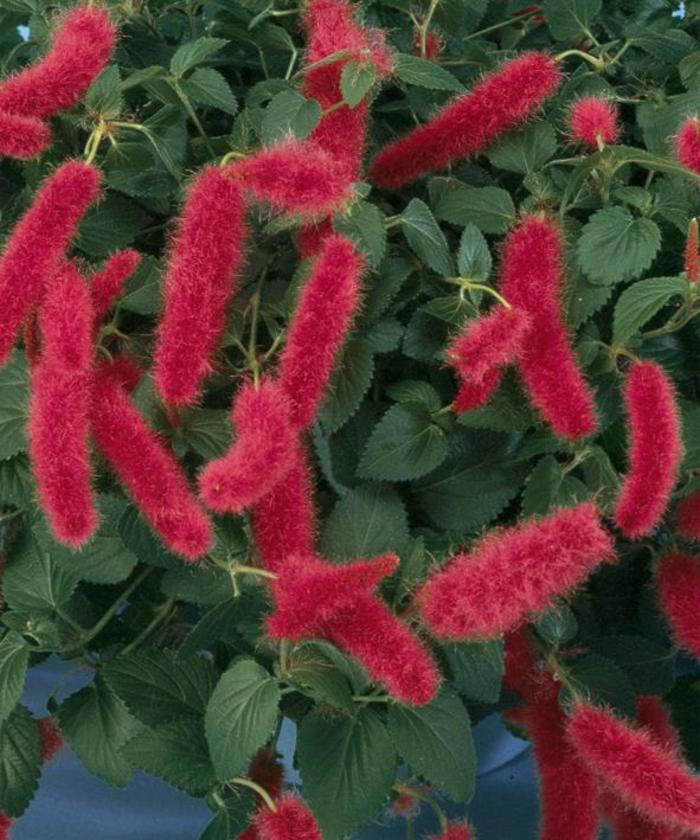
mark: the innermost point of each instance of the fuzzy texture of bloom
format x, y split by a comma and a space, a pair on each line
644, 773
655, 449
5, 827
283, 520
593, 120
688, 516
51, 739
292, 820
624, 820
147, 469
311, 237
532, 279
22, 137
296, 177
205, 255
59, 411
692, 252
316, 599
434, 45
519, 661
454, 831
466, 126
263, 452
481, 349
514, 572
79, 51
106, 283
38, 242
320, 324
688, 144
678, 582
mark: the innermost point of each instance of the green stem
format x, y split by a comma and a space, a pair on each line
514, 19
369, 698
425, 26
252, 570
400, 787
162, 612
596, 63
184, 98
466, 283
262, 793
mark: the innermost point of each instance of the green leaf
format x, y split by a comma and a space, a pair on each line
602, 682
436, 741
648, 664
356, 79
104, 96
347, 767
474, 258
366, 522
364, 224
558, 625
96, 725
570, 18
16, 484
414, 390
241, 716
20, 762
33, 580
349, 383
176, 752
208, 87
477, 668
639, 303
525, 150
218, 828
318, 676
616, 246
138, 537
192, 53
206, 430
491, 209
289, 113
404, 445
110, 225
14, 658
549, 486
423, 73
14, 400
156, 687
425, 238
216, 625
103, 558
202, 585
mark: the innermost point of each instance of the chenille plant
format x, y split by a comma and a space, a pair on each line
350, 376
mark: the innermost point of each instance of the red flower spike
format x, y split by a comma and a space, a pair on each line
625, 821
265, 770
568, 790
263, 452
206, 254
320, 324
292, 820
79, 52
5, 827
147, 469
473, 393
644, 773
655, 449
321, 600
503, 579
688, 517
692, 254
283, 520
498, 103
124, 371
294, 177
520, 661
22, 137
593, 121
688, 144
434, 45
678, 580
51, 738
59, 412
311, 237
106, 284
38, 242
455, 831
532, 279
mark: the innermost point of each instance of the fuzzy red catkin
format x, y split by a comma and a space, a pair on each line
688, 516
206, 254
51, 738
79, 51
688, 144
263, 452
532, 278
514, 572
38, 242
335, 602
691, 262
147, 469
294, 177
626, 823
455, 831
22, 137
311, 237
320, 324
5, 827
471, 394
465, 127
59, 412
106, 283
292, 820
644, 773
593, 119
283, 520
655, 449
678, 581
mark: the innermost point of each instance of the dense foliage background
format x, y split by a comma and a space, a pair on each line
394, 468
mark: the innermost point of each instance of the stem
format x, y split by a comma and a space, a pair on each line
424, 27
400, 787
232, 156
252, 570
162, 612
184, 98
11, 515
466, 283
597, 63
262, 793
514, 19
369, 698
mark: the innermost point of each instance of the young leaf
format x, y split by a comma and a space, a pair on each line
289, 113
473, 258
425, 238
356, 79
